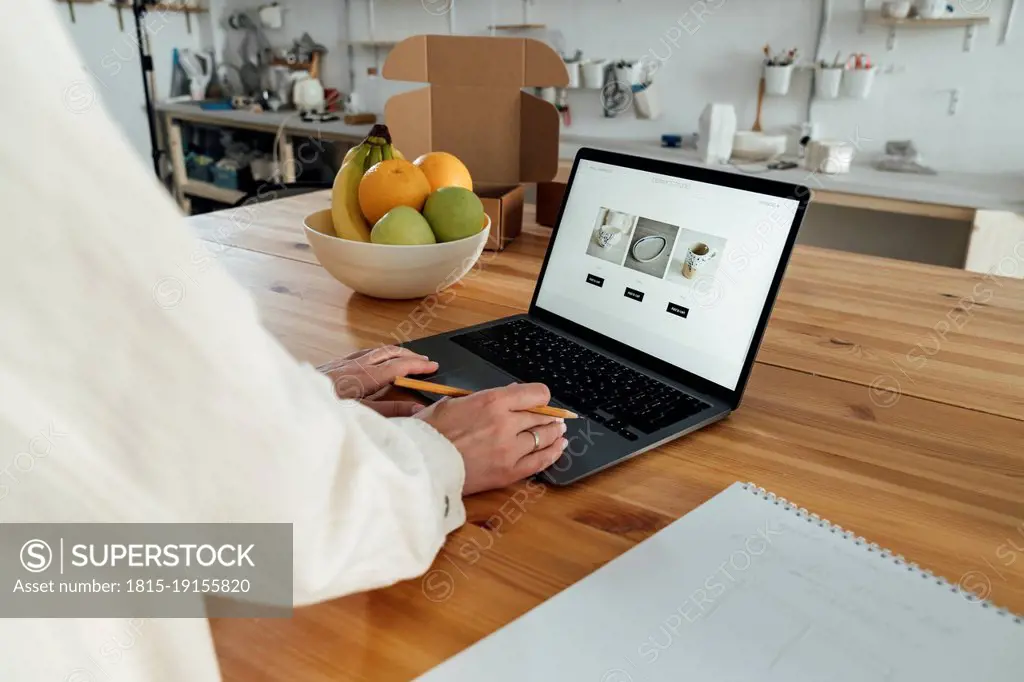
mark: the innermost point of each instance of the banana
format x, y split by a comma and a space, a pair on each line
375, 157
348, 219
349, 222
350, 153
379, 136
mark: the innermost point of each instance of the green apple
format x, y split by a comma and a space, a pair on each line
402, 225
454, 213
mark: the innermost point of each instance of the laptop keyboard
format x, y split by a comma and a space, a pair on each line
603, 390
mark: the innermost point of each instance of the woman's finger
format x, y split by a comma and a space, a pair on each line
523, 396
538, 461
386, 372
382, 354
546, 435
522, 421
394, 408
373, 356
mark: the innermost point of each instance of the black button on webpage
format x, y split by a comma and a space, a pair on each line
634, 294
678, 310
595, 280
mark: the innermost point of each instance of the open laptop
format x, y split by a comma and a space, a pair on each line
650, 305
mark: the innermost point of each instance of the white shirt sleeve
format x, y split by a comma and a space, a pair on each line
145, 367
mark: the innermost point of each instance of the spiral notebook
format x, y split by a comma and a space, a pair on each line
750, 587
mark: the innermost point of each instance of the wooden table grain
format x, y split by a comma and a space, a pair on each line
888, 397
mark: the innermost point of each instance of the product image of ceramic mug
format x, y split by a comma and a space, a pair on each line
696, 256
606, 236
611, 231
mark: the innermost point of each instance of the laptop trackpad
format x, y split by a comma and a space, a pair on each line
474, 378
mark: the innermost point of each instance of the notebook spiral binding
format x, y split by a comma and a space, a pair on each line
882, 552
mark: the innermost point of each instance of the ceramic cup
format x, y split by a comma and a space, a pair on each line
696, 256
606, 236
932, 9
896, 9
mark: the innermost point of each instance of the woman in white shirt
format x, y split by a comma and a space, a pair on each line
193, 413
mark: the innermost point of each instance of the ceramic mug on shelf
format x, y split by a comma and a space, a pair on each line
696, 256
592, 73
896, 9
932, 9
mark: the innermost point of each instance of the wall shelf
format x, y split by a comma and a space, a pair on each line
968, 23
371, 43
187, 10
71, 6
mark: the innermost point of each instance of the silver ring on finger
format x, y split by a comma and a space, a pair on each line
536, 440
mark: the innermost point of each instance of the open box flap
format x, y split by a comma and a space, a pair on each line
539, 124
482, 61
474, 107
408, 120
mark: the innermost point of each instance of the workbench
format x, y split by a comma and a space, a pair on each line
287, 125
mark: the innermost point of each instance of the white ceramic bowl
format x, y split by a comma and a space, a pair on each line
750, 146
388, 271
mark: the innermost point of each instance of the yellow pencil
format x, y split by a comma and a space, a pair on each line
441, 389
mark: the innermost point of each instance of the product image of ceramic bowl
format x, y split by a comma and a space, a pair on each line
648, 248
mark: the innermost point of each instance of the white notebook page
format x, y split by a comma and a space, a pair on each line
747, 587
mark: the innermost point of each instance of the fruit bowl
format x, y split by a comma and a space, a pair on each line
391, 271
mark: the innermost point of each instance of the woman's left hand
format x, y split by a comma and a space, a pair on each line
366, 373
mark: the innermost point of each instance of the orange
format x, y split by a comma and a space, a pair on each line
444, 170
394, 182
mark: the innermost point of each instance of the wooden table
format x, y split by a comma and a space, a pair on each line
887, 397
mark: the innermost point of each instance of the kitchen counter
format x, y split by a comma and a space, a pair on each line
938, 195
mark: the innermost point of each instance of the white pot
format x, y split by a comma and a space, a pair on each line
857, 82
574, 73
826, 82
776, 79
646, 103
592, 73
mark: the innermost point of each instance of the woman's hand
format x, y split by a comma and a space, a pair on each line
365, 373
499, 441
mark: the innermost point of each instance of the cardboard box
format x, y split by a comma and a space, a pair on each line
474, 107
549, 201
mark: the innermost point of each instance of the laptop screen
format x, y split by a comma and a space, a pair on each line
676, 268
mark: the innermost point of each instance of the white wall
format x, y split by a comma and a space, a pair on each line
112, 57
717, 58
